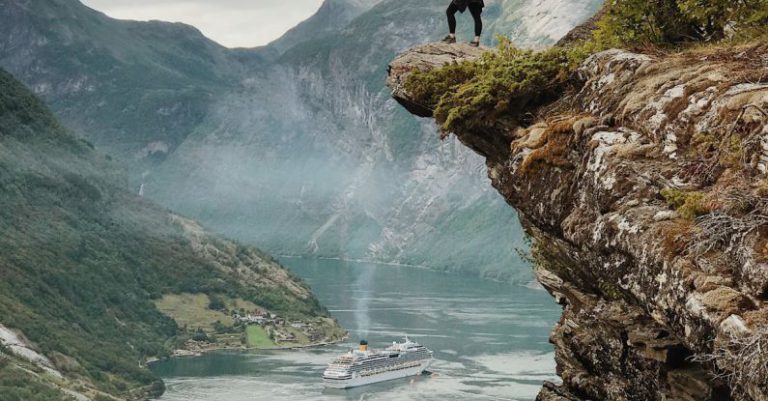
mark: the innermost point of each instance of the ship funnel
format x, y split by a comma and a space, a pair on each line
363, 345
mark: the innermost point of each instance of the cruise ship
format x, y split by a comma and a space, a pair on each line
365, 366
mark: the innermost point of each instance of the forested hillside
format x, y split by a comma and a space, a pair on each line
83, 261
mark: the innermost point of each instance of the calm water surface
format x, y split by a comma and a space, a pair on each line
490, 340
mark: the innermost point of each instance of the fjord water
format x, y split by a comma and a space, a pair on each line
489, 339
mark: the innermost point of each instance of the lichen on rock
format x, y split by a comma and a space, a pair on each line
643, 187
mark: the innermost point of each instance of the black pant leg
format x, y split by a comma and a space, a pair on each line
477, 10
451, 13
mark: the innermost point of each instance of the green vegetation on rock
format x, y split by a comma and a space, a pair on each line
507, 81
665, 22
689, 204
511, 82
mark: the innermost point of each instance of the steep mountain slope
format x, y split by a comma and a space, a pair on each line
335, 146
135, 88
83, 261
537, 23
331, 18
304, 128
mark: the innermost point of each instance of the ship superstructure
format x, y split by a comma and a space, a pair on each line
365, 366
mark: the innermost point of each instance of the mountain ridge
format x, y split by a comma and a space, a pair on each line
310, 126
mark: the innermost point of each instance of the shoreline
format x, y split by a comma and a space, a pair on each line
367, 261
181, 353
533, 283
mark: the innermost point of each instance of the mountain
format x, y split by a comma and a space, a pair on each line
328, 123
330, 19
295, 147
135, 88
537, 23
85, 265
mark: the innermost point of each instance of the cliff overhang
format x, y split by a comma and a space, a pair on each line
424, 58
644, 188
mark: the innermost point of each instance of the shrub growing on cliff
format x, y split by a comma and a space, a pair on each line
506, 82
688, 204
512, 82
663, 22
742, 360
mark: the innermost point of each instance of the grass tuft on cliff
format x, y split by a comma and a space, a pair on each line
512, 82
507, 81
689, 204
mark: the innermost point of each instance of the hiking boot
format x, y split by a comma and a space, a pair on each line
475, 43
449, 39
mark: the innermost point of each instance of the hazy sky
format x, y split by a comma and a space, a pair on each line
233, 23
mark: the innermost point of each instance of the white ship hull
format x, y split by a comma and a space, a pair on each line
357, 381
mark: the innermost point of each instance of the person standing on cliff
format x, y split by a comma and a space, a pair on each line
475, 8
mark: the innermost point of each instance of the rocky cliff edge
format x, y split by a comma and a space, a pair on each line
644, 189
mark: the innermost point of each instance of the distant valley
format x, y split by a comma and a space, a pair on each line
93, 276
294, 147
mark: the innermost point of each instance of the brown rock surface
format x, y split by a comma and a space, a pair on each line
647, 294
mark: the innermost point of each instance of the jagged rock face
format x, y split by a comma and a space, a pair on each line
332, 15
655, 304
